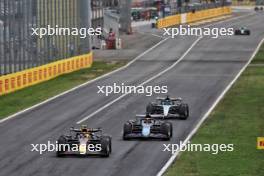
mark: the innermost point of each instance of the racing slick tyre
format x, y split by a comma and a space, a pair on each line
61, 140
127, 130
106, 147
237, 32
166, 128
149, 109
184, 111
247, 32
109, 139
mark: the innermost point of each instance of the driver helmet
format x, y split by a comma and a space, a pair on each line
148, 116
147, 120
167, 97
84, 128
87, 135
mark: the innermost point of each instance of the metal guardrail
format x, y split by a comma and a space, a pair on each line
19, 50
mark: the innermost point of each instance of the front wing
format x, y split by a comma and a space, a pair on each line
140, 136
161, 116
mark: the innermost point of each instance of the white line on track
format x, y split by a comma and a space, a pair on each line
226, 20
145, 82
173, 157
84, 84
164, 71
100, 77
155, 35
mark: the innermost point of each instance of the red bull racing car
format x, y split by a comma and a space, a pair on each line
84, 141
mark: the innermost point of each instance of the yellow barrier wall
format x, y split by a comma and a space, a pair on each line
12, 82
193, 17
207, 14
169, 21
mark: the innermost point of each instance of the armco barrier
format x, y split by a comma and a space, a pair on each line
193, 17
12, 82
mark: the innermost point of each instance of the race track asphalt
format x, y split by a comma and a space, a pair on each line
199, 79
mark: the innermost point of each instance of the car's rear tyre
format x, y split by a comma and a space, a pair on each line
109, 139
61, 141
166, 128
237, 32
248, 32
149, 109
127, 130
106, 147
184, 111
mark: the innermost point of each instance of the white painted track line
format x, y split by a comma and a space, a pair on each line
82, 85
164, 71
150, 79
110, 73
173, 157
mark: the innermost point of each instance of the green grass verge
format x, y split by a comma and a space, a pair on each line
260, 56
239, 120
30, 96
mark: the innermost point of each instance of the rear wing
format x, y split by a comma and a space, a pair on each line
142, 116
172, 99
90, 130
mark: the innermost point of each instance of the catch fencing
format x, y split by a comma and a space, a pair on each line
20, 50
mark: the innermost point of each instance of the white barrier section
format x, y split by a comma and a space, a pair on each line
183, 18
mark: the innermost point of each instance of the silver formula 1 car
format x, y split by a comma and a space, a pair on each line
84, 141
147, 128
168, 108
242, 31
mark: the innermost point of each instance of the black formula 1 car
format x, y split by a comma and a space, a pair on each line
168, 108
258, 8
147, 128
84, 141
242, 31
